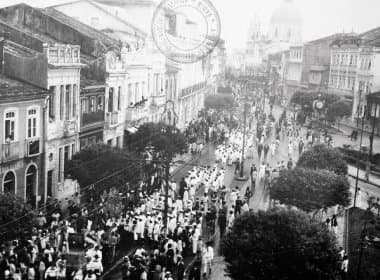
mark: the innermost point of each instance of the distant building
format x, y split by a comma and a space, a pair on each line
355, 68
285, 29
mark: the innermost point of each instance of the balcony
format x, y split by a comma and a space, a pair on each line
158, 100
62, 54
93, 117
11, 151
32, 147
136, 114
69, 128
112, 118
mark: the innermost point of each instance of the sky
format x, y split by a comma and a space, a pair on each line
321, 17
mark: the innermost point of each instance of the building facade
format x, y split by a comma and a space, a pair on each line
22, 110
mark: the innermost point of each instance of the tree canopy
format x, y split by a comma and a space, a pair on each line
219, 101
16, 217
311, 190
279, 244
113, 165
306, 98
337, 110
323, 157
165, 140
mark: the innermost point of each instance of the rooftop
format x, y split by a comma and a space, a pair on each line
14, 90
81, 27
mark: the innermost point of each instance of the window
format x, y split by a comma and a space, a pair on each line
109, 142
10, 125
110, 100
369, 65
76, 53
148, 84
9, 183
67, 102
60, 165
119, 98
74, 110
137, 92
52, 102
83, 106
118, 141
32, 123
129, 98
99, 103
92, 104
61, 102
143, 95
66, 154
72, 150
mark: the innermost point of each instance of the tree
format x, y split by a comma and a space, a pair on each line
16, 217
279, 244
219, 101
338, 110
311, 190
306, 99
323, 157
165, 140
113, 166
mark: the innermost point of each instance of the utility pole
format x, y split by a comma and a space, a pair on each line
357, 169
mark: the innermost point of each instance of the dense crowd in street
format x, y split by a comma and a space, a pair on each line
100, 228
137, 220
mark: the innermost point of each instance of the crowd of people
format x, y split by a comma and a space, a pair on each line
78, 240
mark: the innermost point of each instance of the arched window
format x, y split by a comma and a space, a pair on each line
276, 33
31, 184
9, 183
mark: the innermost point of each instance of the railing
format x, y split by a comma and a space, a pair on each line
32, 147
158, 100
93, 117
189, 90
69, 128
112, 118
11, 151
62, 54
135, 114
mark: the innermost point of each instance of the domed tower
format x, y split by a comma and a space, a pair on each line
286, 24
255, 31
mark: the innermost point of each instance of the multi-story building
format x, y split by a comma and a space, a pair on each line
22, 126
355, 68
294, 71
59, 68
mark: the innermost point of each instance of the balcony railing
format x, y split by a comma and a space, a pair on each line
112, 118
32, 147
158, 100
69, 128
62, 54
93, 117
189, 90
136, 114
11, 151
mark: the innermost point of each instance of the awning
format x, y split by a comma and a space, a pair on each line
132, 129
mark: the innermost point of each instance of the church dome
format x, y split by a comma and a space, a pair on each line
287, 13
